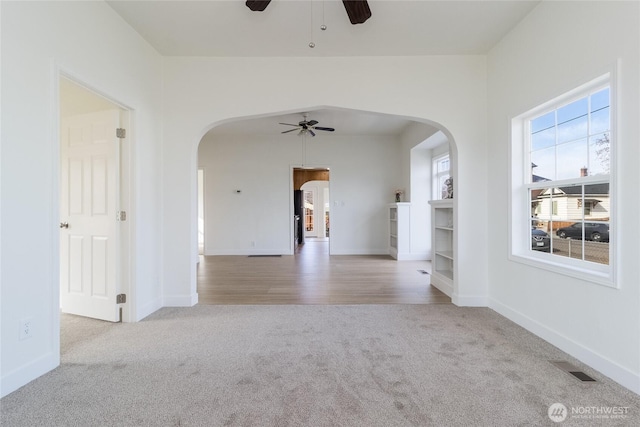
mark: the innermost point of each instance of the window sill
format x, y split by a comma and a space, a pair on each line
586, 274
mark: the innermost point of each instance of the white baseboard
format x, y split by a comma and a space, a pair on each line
444, 286
469, 300
607, 367
411, 256
359, 252
27, 373
243, 252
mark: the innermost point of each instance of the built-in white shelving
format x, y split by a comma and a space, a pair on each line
442, 245
399, 230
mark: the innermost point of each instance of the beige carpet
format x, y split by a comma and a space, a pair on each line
365, 365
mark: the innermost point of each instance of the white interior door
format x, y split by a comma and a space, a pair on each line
89, 180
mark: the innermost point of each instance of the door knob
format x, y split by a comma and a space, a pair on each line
64, 225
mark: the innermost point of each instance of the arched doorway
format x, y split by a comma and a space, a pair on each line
249, 213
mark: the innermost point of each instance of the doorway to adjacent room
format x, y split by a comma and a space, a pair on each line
311, 220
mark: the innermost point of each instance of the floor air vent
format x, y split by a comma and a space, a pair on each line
572, 370
581, 376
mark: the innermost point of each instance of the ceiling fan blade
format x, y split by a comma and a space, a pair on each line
358, 10
257, 5
290, 130
321, 128
311, 132
312, 122
288, 124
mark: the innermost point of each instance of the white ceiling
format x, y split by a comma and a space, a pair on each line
345, 122
397, 28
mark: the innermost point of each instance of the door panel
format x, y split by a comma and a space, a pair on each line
89, 169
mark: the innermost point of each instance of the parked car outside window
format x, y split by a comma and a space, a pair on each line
540, 240
597, 232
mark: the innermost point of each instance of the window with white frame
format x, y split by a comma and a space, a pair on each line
562, 200
441, 172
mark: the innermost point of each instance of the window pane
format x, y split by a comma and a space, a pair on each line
599, 155
543, 139
572, 111
443, 165
540, 239
596, 214
600, 121
567, 235
442, 186
571, 159
573, 129
600, 100
541, 204
596, 196
308, 211
544, 165
543, 122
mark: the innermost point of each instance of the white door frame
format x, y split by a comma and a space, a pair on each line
291, 201
126, 230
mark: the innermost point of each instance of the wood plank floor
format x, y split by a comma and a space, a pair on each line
311, 276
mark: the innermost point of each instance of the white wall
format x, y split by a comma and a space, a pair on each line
559, 46
200, 92
89, 41
364, 173
416, 157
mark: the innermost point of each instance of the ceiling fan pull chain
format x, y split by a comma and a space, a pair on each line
323, 27
311, 43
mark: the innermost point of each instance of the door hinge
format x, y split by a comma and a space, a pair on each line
121, 215
121, 133
121, 298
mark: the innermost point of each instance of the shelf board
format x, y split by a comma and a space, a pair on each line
442, 227
445, 254
442, 203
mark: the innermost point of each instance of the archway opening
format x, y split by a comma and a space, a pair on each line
249, 205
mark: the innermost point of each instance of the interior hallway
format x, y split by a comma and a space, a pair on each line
312, 276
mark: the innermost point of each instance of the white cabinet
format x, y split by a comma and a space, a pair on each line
442, 245
399, 230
